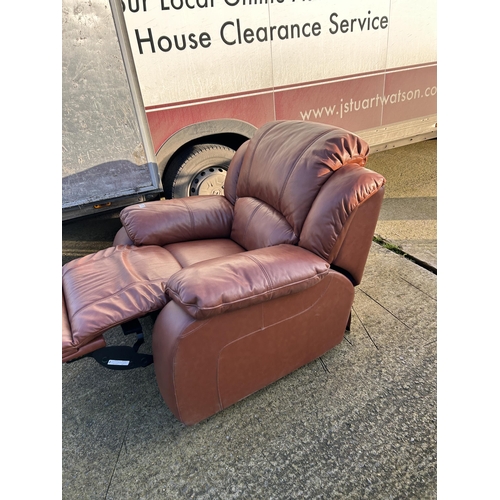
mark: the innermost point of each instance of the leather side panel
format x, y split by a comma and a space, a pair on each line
202, 367
186, 351
264, 356
352, 251
169, 328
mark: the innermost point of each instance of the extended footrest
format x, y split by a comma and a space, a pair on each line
108, 288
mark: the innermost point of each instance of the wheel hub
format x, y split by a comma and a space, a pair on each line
208, 181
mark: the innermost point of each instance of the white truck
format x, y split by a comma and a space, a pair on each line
158, 94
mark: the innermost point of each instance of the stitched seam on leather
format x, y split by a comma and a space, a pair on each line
116, 293
375, 190
130, 268
78, 262
264, 272
191, 216
219, 306
254, 150
352, 214
247, 225
126, 224
83, 342
202, 322
360, 201
286, 319
264, 328
87, 340
344, 230
298, 159
69, 321
174, 365
232, 342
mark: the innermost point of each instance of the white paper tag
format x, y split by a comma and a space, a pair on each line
120, 362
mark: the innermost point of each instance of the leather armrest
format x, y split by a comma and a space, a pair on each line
215, 286
331, 213
183, 219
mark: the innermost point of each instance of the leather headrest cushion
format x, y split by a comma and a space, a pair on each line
287, 162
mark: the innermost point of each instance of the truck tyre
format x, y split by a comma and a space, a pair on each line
197, 170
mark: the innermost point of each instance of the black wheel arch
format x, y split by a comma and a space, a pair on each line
226, 132
197, 169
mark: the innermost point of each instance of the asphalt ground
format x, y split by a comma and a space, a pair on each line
360, 422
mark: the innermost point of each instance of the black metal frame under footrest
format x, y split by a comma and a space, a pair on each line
124, 357
121, 357
132, 326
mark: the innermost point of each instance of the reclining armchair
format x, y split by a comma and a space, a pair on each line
245, 287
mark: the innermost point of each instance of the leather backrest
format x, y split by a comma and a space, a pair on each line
278, 175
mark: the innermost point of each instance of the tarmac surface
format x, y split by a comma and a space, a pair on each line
360, 422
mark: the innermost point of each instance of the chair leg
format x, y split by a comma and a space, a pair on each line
348, 326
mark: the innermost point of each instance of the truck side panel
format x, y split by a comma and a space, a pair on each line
370, 68
103, 154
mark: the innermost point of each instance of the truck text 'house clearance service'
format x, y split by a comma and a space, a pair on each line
158, 94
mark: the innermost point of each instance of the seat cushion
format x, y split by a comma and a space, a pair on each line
191, 252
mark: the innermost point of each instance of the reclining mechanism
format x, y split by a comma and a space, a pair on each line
124, 357
244, 287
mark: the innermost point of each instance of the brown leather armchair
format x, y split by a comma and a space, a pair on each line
250, 285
